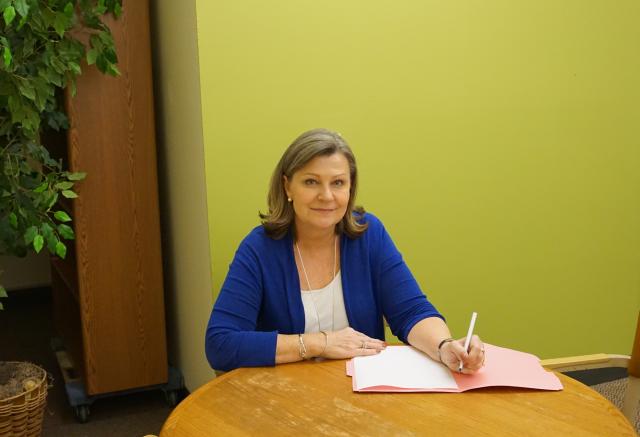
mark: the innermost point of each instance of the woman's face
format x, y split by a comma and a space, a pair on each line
320, 192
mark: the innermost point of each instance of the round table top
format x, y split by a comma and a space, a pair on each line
317, 398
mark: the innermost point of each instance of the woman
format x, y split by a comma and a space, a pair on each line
318, 276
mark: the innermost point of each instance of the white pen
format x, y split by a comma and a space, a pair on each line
469, 334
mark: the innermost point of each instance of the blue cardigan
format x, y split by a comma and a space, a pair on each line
260, 297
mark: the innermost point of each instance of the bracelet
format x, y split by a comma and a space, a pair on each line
302, 349
446, 340
326, 342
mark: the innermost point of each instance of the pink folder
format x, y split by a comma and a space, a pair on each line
503, 367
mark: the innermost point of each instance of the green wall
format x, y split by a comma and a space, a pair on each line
497, 140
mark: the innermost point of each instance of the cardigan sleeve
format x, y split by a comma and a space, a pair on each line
231, 338
403, 303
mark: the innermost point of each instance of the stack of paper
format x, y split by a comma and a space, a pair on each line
403, 368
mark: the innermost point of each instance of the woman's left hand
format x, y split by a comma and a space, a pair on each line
452, 353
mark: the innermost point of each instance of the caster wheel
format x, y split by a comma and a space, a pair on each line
82, 413
171, 397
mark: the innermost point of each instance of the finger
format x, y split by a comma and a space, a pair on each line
364, 347
374, 342
371, 342
474, 361
476, 355
475, 343
476, 350
464, 361
468, 371
457, 349
474, 365
377, 345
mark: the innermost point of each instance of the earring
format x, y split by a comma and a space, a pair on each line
289, 199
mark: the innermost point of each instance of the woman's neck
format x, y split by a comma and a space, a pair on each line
314, 237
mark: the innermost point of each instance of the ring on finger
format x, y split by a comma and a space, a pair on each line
364, 345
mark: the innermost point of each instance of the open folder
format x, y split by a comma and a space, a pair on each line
405, 369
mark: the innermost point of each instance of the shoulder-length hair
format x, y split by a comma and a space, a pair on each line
311, 144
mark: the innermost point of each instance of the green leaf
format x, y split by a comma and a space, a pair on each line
92, 55
61, 249
43, 92
100, 8
13, 220
38, 243
3, 292
27, 90
47, 230
96, 42
9, 14
117, 10
6, 56
30, 235
4, 4
60, 24
64, 185
52, 200
66, 232
50, 237
22, 22
22, 7
73, 66
62, 216
27, 47
77, 176
68, 10
1, 306
69, 194
113, 70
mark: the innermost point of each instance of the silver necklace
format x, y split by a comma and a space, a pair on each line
315, 307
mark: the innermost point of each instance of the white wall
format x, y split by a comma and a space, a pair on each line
28, 272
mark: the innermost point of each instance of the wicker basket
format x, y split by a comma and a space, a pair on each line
22, 415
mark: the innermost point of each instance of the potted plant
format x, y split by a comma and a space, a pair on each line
42, 46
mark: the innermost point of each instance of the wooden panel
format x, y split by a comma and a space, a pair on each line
117, 225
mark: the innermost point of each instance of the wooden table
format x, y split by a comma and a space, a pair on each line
315, 398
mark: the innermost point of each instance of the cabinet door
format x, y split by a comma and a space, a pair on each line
116, 218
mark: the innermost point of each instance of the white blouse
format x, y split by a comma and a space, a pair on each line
324, 308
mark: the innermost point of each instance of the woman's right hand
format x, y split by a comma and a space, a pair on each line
349, 343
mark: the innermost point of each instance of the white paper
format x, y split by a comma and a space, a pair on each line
402, 367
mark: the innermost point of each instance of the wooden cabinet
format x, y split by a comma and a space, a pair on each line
108, 292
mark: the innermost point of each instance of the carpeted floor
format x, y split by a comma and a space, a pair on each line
614, 391
26, 329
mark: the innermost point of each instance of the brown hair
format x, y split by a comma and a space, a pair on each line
309, 145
